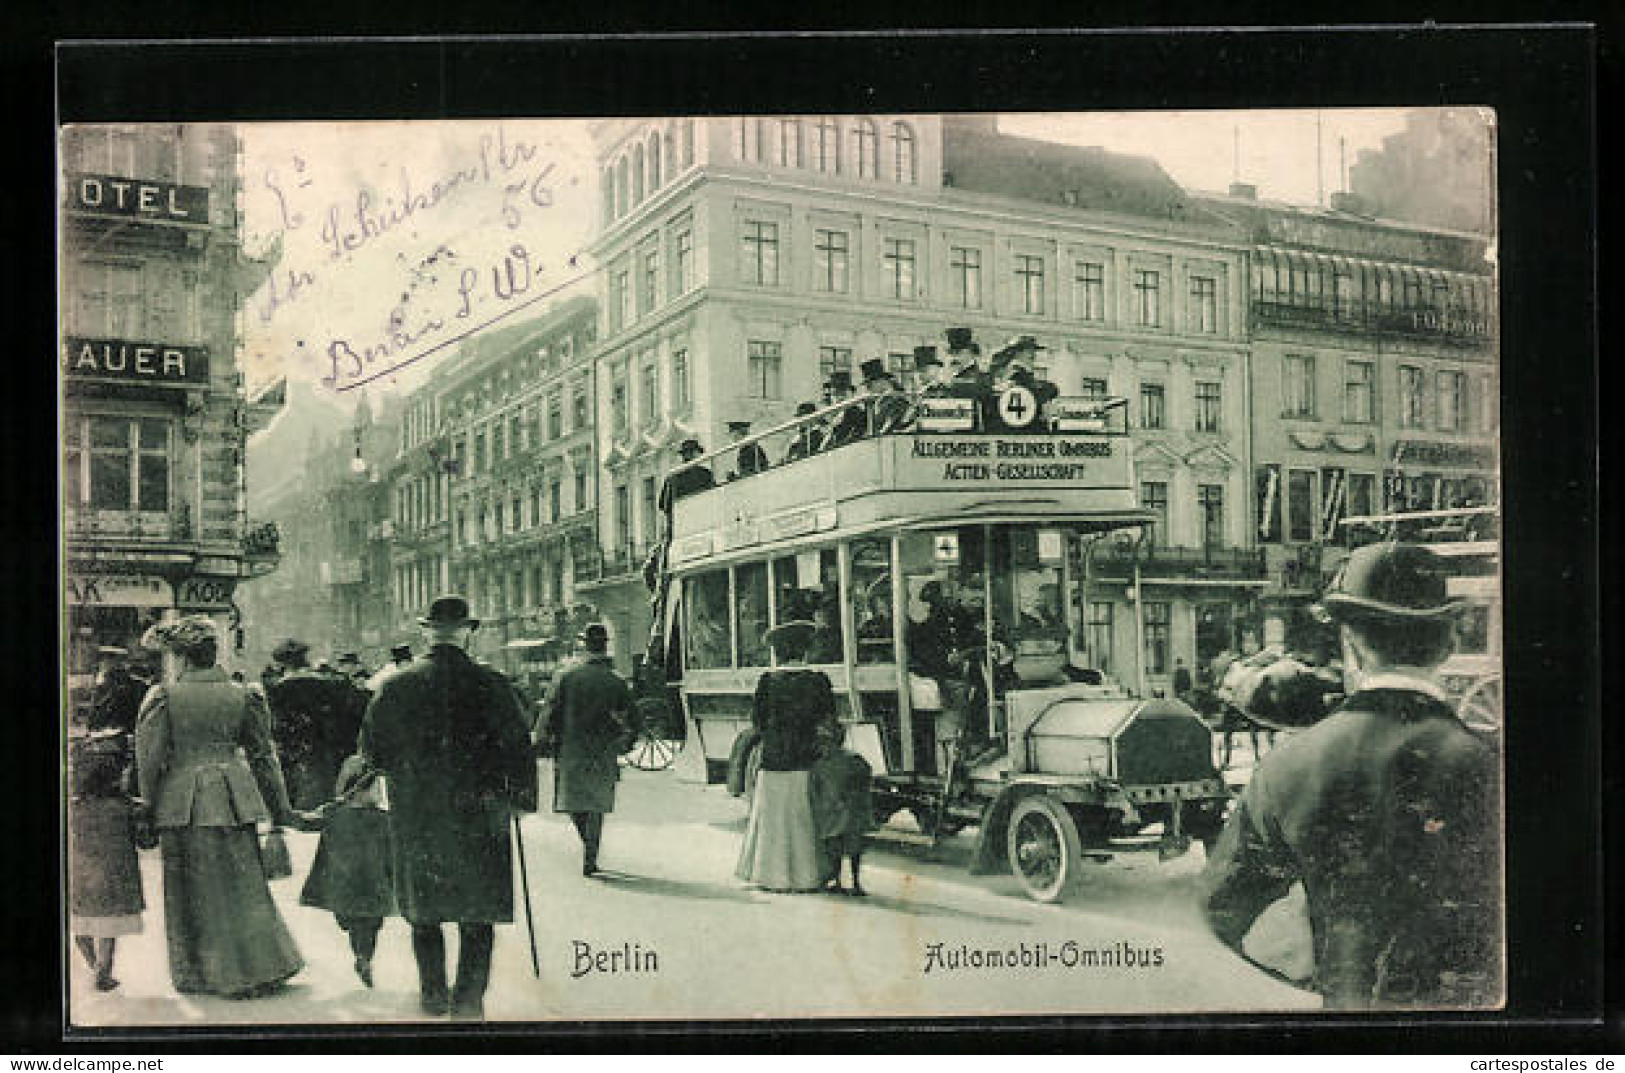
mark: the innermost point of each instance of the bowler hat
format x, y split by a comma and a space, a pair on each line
960, 339
690, 448
290, 651
739, 426
799, 631
874, 369
449, 610
805, 408
926, 355
401, 652
1392, 581
595, 633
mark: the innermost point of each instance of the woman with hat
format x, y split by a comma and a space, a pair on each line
782, 851
1386, 811
209, 774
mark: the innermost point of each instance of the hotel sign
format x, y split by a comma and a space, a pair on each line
135, 362
117, 196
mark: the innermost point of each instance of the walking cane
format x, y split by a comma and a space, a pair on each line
524, 888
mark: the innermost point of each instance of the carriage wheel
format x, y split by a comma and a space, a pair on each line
1480, 707
1045, 851
651, 752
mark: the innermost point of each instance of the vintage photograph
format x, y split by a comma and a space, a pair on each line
788, 566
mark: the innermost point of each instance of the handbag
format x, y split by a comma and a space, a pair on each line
274, 856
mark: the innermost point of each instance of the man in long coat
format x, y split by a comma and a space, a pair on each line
1387, 810
448, 734
304, 704
590, 723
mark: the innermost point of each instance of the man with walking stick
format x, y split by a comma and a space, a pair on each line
449, 736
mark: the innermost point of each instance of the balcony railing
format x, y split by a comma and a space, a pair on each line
1220, 563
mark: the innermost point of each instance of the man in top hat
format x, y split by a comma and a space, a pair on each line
891, 406
1013, 366
1386, 811
853, 423
750, 457
449, 735
934, 378
590, 722
686, 479
305, 703
969, 380
809, 435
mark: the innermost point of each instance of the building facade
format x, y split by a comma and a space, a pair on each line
154, 415
743, 260
493, 490
1376, 383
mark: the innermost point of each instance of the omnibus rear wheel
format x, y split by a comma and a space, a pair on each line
1045, 850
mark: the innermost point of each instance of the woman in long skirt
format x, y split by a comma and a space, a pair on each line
225, 934
782, 850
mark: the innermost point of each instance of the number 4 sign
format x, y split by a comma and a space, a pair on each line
1017, 406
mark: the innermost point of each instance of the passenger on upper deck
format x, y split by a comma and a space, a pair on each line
809, 437
751, 458
933, 377
1012, 366
891, 405
853, 424
686, 479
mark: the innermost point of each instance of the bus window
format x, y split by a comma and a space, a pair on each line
750, 611
872, 599
1473, 631
806, 587
706, 603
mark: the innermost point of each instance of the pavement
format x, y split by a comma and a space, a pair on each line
667, 933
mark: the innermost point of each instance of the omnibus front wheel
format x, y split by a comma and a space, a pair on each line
1046, 853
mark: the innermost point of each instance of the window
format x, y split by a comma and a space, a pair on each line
830, 254
905, 160
535, 506
1452, 391
651, 512
517, 519
1089, 290
1209, 405
1300, 496
117, 463
1154, 498
1152, 409
480, 462
682, 262
1092, 387
620, 185
1147, 298
1098, 635
1362, 497
515, 435
618, 300
499, 442
1412, 397
828, 145
966, 265
578, 409
1359, 385
647, 282
1298, 386
555, 416
790, 143
764, 367
831, 358
582, 500
680, 396
1204, 305
1030, 283
866, 149
1210, 502
707, 639
1342, 293
899, 258
110, 301
498, 520
760, 249
617, 403
649, 387
654, 163
1489, 405
750, 614
1158, 628
623, 520
555, 499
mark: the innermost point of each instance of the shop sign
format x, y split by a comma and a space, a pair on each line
131, 361
950, 462
1429, 453
120, 590
118, 196
205, 593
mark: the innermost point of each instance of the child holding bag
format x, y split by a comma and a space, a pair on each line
353, 875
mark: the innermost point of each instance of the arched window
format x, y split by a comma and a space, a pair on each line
905, 159
621, 204
688, 143
866, 148
828, 155
654, 163
637, 175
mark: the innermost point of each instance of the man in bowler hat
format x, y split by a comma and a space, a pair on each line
1387, 810
750, 457
852, 424
809, 434
686, 479
590, 723
449, 736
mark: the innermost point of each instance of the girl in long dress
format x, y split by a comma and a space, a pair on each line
782, 850
104, 874
225, 934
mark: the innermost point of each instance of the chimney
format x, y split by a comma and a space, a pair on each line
1244, 190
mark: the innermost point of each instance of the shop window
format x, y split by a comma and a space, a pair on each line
1158, 636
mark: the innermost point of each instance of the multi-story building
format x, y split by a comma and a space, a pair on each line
1375, 381
154, 414
330, 505
743, 260
494, 487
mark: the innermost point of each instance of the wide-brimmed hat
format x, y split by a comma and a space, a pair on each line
690, 448
1405, 582
449, 610
799, 631
183, 636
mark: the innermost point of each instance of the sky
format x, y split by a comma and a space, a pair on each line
517, 199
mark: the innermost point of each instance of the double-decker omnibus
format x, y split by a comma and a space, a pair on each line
942, 560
